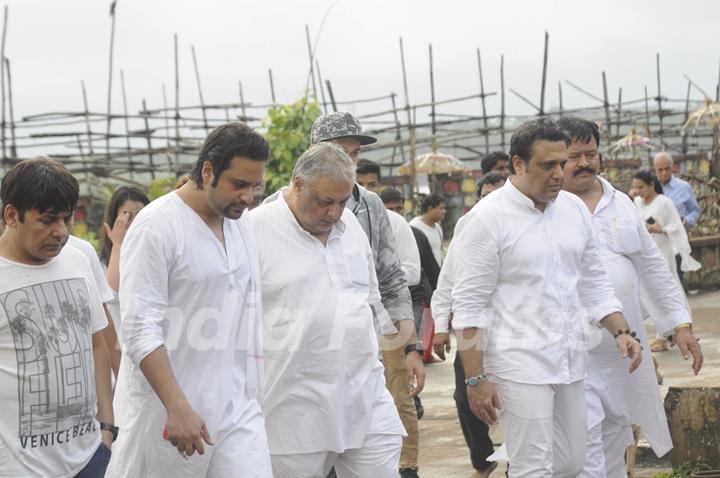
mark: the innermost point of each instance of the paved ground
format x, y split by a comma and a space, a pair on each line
443, 453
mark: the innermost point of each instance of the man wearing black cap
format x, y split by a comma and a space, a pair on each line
399, 338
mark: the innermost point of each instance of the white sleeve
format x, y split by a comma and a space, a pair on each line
441, 304
474, 277
144, 267
407, 248
106, 293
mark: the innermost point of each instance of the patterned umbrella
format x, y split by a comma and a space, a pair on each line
434, 163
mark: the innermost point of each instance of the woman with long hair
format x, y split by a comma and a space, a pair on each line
124, 205
666, 228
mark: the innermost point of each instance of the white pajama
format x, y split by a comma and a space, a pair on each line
379, 457
544, 427
606, 445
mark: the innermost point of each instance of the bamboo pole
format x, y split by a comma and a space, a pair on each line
199, 86
398, 133
606, 107
560, 95
585, 92
647, 120
413, 173
176, 152
167, 126
87, 120
2, 82
482, 102
544, 75
432, 93
242, 102
127, 122
149, 140
687, 115
659, 99
537, 108
331, 95
272, 86
312, 63
110, 78
13, 143
502, 101
322, 88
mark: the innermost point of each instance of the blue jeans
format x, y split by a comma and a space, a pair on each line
97, 465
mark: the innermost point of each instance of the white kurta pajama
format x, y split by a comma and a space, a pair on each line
531, 281
180, 287
325, 396
617, 399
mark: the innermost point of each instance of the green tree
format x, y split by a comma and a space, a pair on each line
288, 133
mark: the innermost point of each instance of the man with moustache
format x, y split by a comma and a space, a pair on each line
191, 316
325, 398
616, 400
526, 280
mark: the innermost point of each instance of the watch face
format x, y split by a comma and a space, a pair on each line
472, 381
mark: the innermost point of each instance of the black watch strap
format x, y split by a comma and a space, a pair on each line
414, 348
110, 428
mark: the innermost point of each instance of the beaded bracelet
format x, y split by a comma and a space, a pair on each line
626, 332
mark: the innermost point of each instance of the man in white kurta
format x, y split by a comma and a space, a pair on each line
191, 314
325, 398
615, 399
528, 277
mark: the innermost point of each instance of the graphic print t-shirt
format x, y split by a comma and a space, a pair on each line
48, 314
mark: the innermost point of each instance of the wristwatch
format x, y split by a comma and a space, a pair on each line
472, 381
109, 427
414, 348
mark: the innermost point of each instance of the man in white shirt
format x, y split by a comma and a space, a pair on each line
527, 279
325, 398
191, 323
432, 212
630, 256
56, 417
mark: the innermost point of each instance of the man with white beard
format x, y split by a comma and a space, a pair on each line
615, 399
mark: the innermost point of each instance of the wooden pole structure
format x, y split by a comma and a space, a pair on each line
148, 139
647, 122
413, 173
433, 127
687, 114
87, 120
544, 75
272, 86
13, 143
619, 112
322, 88
200, 94
659, 99
398, 134
606, 106
177, 104
482, 102
331, 95
242, 102
110, 78
312, 63
127, 123
167, 132
502, 102
560, 96
2, 87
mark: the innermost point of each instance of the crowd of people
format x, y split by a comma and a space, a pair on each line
220, 333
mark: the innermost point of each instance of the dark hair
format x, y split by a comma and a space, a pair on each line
489, 161
223, 144
119, 197
365, 166
391, 195
431, 201
648, 177
540, 129
492, 178
580, 129
40, 183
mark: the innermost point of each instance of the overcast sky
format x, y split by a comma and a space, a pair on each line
54, 44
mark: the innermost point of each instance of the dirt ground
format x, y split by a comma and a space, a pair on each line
443, 453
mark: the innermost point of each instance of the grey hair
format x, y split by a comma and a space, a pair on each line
663, 154
324, 160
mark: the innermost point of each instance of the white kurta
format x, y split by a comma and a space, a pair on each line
182, 289
441, 304
406, 247
434, 236
632, 261
324, 386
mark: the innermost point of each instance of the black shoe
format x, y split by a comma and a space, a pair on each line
419, 409
408, 473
